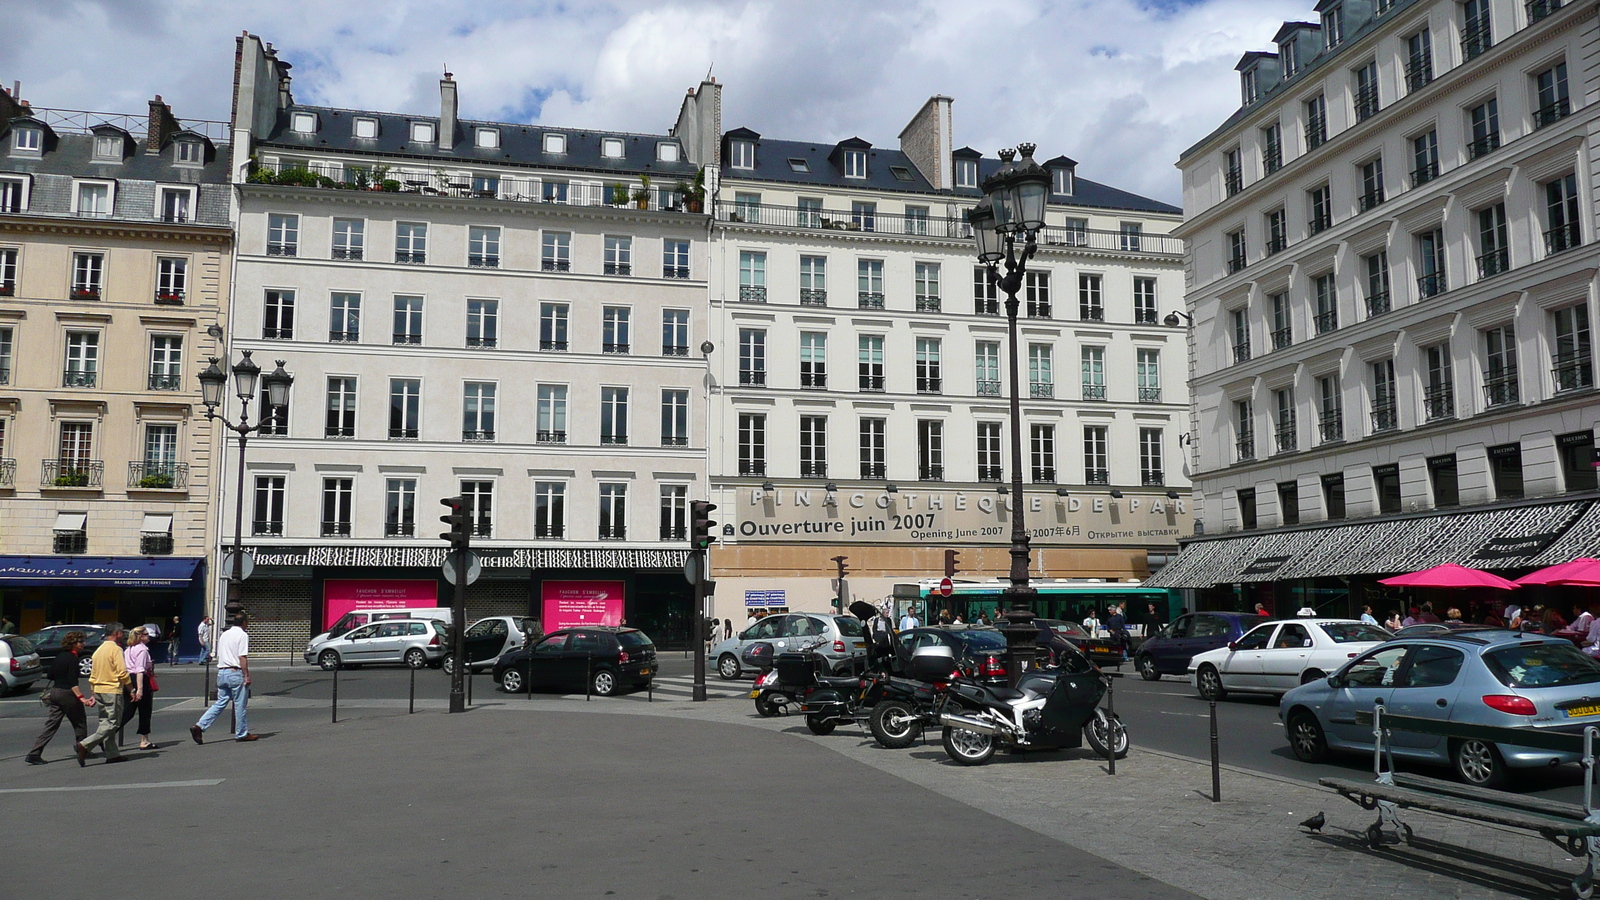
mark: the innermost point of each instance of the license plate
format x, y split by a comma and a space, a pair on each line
754, 694
1590, 710
644, 671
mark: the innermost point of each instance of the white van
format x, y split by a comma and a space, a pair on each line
356, 618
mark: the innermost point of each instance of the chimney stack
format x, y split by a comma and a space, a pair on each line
161, 126
447, 112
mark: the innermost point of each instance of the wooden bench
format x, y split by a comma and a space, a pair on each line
1572, 827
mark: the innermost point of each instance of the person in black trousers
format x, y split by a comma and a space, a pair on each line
63, 699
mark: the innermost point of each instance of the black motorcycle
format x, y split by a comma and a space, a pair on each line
845, 701
793, 677
1047, 710
909, 705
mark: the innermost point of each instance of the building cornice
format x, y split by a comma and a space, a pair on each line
436, 268
347, 199
22, 223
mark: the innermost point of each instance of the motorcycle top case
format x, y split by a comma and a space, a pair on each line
796, 668
1072, 701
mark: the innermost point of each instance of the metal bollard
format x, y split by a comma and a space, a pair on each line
528, 681
210, 697
411, 702
1111, 727
1216, 767
650, 691
469, 685
335, 695
588, 678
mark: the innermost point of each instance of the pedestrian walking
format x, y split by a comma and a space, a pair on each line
727, 628
233, 683
909, 620
203, 632
141, 672
1091, 623
172, 643
63, 698
1117, 624
108, 678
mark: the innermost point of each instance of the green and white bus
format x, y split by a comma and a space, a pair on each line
1058, 598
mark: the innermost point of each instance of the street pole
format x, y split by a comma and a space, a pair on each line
235, 601
458, 636
699, 629
1019, 591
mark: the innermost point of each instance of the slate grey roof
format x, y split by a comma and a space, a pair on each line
772, 164
520, 144
73, 154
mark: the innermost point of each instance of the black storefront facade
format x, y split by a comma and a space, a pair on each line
1334, 567
36, 591
293, 591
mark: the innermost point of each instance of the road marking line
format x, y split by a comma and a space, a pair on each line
1191, 715
206, 782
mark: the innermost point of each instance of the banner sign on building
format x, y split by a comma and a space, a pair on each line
765, 599
1265, 565
1519, 546
568, 604
340, 595
956, 516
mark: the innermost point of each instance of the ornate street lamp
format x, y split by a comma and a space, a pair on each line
246, 377
1012, 212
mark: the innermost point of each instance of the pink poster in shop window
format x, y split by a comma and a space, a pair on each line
342, 595
571, 603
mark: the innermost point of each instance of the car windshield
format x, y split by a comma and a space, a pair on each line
632, 639
1352, 632
1067, 628
1546, 664
847, 626
983, 640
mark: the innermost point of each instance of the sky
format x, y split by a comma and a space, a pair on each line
1122, 86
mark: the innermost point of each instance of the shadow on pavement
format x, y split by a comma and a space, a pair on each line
1451, 861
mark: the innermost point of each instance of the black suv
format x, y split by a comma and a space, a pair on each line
48, 642
605, 658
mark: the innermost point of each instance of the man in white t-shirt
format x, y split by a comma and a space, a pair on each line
909, 620
233, 683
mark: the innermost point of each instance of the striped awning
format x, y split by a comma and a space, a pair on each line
1498, 538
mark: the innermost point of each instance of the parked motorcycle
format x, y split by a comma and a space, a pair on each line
829, 705
1047, 710
794, 676
910, 705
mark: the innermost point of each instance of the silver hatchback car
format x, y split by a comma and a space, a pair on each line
411, 642
19, 663
839, 639
1493, 677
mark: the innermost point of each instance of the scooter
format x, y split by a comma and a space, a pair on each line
792, 676
1047, 710
834, 703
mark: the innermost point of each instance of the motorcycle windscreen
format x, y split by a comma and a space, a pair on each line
1072, 702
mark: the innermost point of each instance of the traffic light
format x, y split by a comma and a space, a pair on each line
702, 527
460, 522
951, 557
841, 587
843, 570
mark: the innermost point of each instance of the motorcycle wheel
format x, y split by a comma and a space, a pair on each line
767, 705
968, 748
820, 726
1094, 732
894, 725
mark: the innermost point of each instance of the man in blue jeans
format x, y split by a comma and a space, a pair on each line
233, 682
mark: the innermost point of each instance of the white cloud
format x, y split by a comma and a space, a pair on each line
1120, 86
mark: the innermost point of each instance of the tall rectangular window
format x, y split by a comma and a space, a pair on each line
407, 320
1476, 34
808, 212
411, 242
674, 258
869, 353
674, 417
1366, 91
549, 510
341, 419
674, 512
752, 276
1485, 129
1330, 412
1377, 299
1092, 362
160, 456
483, 323
1430, 264
1386, 484
869, 283
1561, 214
616, 329
1327, 293
1037, 285
1247, 508
283, 235
344, 318
483, 246
88, 275
675, 332
930, 368
1438, 392
166, 361
478, 411
813, 281
1333, 495
1443, 476
1493, 241
274, 420
1316, 122
479, 499
1419, 60
551, 414
752, 444
405, 408
989, 466
1289, 502
1424, 158
1287, 428
1272, 148
618, 255
1152, 458
986, 365
1244, 429
5, 355
613, 512
753, 357
1574, 369
1241, 335
1233, 169
277, 315
555, 251
1282, 321
1148, 369
1042, 453
864, 215
813, 359
985, 293
75, 454
349, 238
927, 282
1372, 189
400, 507
1319, 201
813, 446
1144, 301
553, 326
338, 504
1577, 460
172, 277
930, 450
871, 444
613, 415
1385, 413
267, 517
1238, 256
1096, 455
1091, 303
1041, 371
1500, 366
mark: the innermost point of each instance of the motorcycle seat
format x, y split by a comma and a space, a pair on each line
1005, 693
846, 682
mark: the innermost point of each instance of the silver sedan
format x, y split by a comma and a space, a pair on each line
411, 642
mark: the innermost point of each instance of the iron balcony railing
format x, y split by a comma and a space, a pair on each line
816, 379
344, 337
551, 531
1246, 447
674, 440
928, 303
8, 288
618, 439
1423, 174
487, 261
347, 253
1366, 103
1152, 477
1041, 389
269, 333
1432, 285
546, 436
1282, 338
397, 433
1330, 426
752, 293
477, 436
1316, 132
1538, 9
155, 545
1550, 113
614, 533
1085, 313
813, 470
8, 473
158, 475
1500, 390
615, 347
1149, 395
483, 343
1475, 39
1091, 392
753, 377
339, 430
871, 382
335, 529
169, 296
1319, 223
937, 227
1370, 200
1327, 321
266, 526
1573, 371
559, 346
71, 473
813, 297
988, 389
618, 268
1096, 476
411, 257
1272, 159
1385, 416
1494, 262
869, 299
1419, 71
1377, 304
929, 384
399, 529
83, 378
1562, 238
1438, 402
1288, 438
1483, 146
1236, 263
986, 306
282, 248
674, 271
674, 533
165, 381
1276, 244
1241, 352
752, 467
674, 349
1044, 475
1234, 180
990, 473
555, 265
403, 338
874, 470
930, 473
1145, 316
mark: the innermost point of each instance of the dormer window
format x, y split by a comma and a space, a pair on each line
304, 123
611, 148
366, 128
189, 152
487, 138
422, 132
1249, 86
555, 143
966, 173
107, 146
743, 154
1062, 181
855, 164
27, 139
667, 152
1291, 62
1332, 33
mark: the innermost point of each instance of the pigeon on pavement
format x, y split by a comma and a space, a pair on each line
1316, 822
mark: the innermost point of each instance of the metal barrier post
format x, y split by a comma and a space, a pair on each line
411, 702
528, 681
210, 697
469, 685
1111, 728
650, 691
1216, 765
335, 695
588, 678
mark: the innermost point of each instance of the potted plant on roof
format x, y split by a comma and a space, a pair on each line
694, 195
641, 197
619, 194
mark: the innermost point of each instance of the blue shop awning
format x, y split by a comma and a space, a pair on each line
110, 571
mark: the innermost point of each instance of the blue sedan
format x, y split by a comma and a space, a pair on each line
1480, 677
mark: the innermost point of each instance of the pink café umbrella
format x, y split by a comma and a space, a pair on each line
1583, 570
1450, 575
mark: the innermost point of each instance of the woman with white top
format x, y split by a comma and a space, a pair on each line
142, 698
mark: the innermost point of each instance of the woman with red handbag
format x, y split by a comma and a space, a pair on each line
142, 673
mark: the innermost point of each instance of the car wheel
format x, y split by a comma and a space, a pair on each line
86, 666
1311, 675
819, 725
415, 658
968, 748
894, 725
1478, 763
1147, 668
448, 664
728, 666
1209, 681
511, 681
1306, 738
604, 683
328, 660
